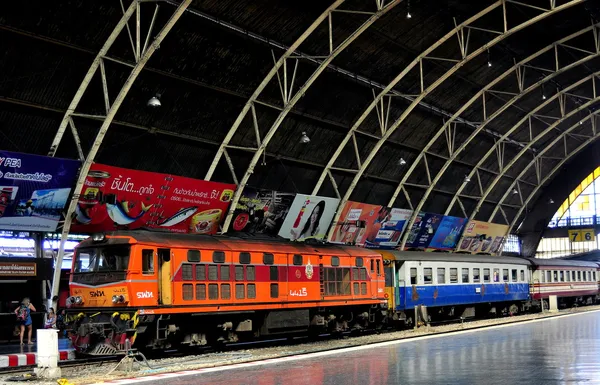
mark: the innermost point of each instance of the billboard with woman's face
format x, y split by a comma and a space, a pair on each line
309, 216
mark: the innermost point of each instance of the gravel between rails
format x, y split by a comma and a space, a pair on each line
97, 373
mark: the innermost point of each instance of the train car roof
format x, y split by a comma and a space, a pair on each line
451, 257
562, 262
242, 243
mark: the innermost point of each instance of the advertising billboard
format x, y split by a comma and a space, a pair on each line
309, 216
261, 211
423, 230
116, 198
482, 237
370, 226
448, 233
34, 190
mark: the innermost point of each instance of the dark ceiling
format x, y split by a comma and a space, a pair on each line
221, 50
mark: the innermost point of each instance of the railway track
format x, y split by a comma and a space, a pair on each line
278, 342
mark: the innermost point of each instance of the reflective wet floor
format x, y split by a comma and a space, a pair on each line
563, 350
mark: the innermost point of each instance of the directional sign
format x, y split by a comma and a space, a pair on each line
582, 235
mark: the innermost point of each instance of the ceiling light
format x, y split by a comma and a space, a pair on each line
543, 97
467, 179
514, 191
550, 201
154, 101
489, 63
581, 122
408, 15
401, 162
304, 138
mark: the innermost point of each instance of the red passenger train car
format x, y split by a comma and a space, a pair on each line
161, 290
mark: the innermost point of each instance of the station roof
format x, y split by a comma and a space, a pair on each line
503, 92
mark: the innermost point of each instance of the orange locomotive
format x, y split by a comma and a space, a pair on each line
163, 290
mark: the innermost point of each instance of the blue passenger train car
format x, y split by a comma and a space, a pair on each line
455, 284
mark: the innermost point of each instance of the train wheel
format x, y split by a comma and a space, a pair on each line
513, 309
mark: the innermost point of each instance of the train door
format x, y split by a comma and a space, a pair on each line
164, 277
376, 273
399, 274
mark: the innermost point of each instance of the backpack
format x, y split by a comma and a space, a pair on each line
22, 313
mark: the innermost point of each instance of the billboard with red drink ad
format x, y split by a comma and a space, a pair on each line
482, 237
370, 226
116, 198
309, 217
261, 211
34, 190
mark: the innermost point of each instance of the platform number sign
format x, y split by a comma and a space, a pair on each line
582, 235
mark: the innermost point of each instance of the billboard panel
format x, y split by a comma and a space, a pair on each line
309, 216
118, 198
423, 230
448, 233
261, 211
370, 226
482, 237
34, 190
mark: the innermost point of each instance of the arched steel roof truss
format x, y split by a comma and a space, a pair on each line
448, 128
558, 97
288, 96
142, 51
539, 157
592, 118
466, 57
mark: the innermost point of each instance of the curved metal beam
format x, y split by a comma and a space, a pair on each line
288, 102
551, 127
272, 74
539, 157
554, 170
378, 100
424, 92
142, 56
519, 70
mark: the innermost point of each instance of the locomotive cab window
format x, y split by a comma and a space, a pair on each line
268, 258
335, 261
359, 262
193, 256
245, 258
218, 257
147, 261
297, 260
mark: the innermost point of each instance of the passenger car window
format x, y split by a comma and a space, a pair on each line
505, 275
513, 275
465, 275
496, 275
413, 275
548, 276
554, 276
486, 275
562, 276
522, 275
428, 275
441, 275
453, 275
476, 275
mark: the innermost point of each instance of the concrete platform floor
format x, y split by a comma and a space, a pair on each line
554, 351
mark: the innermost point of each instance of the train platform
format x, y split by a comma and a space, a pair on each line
555, 350
21, 355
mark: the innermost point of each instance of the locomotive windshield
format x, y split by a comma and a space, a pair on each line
101, 259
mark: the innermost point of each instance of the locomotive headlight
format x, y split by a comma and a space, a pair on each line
118, 299
78, 300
